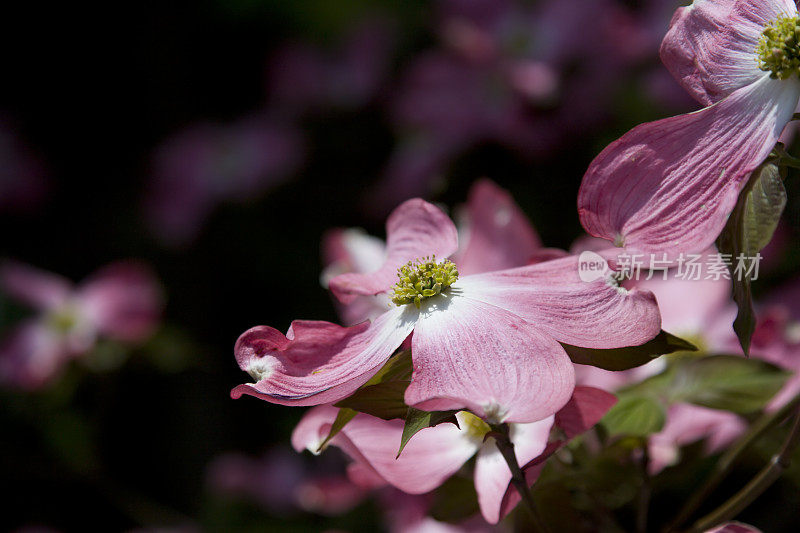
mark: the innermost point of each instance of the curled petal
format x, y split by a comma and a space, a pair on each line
318, 362
469, 354
710, 46
492, 475
123, 300
414, 230
668, 186
32, 286
551, 295
499, 236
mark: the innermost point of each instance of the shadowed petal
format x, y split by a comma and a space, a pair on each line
710, 46
414, 230
471, 354
552, 296
499, 235
668, 186
429, 458
318, 362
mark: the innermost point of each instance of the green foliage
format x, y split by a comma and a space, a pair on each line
749, 229
417, 420
728, 382
635, 415
342, 418
629, 357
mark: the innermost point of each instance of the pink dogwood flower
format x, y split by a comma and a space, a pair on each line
280, 482
486, 342
434, 454
121, 302
493, 234
669, 186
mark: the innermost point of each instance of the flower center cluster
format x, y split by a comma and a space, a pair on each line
422, 279
779, 48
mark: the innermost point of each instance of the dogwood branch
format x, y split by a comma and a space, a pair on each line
723, 467
766, 477
506, 447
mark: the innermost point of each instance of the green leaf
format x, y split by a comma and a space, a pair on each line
342, 418
384, 400
455, 501
749, 229
383, 395
727, 382
630, 357
417, 420
397, 368
635, 415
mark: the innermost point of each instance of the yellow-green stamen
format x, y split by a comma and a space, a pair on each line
423, 278
474, 426
779, 48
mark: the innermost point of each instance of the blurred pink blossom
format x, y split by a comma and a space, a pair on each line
208, 164
280, 482
302, 77
121, 301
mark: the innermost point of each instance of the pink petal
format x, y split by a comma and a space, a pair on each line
428, 459
492, 475
585, 409
710, 46
313, 428
688, 306
499, 234
318, 362
123, 300
552, 296
471, 354
668, 186
34, 287
353, 250
414, 230
734, 527
31, 356
687, 423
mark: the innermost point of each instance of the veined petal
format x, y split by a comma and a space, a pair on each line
414, 230
318, 362
710, 47
668, 186
471, 354
492, 475
551, 295
499, 235
429, 458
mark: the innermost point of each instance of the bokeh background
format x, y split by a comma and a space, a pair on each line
217, 141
